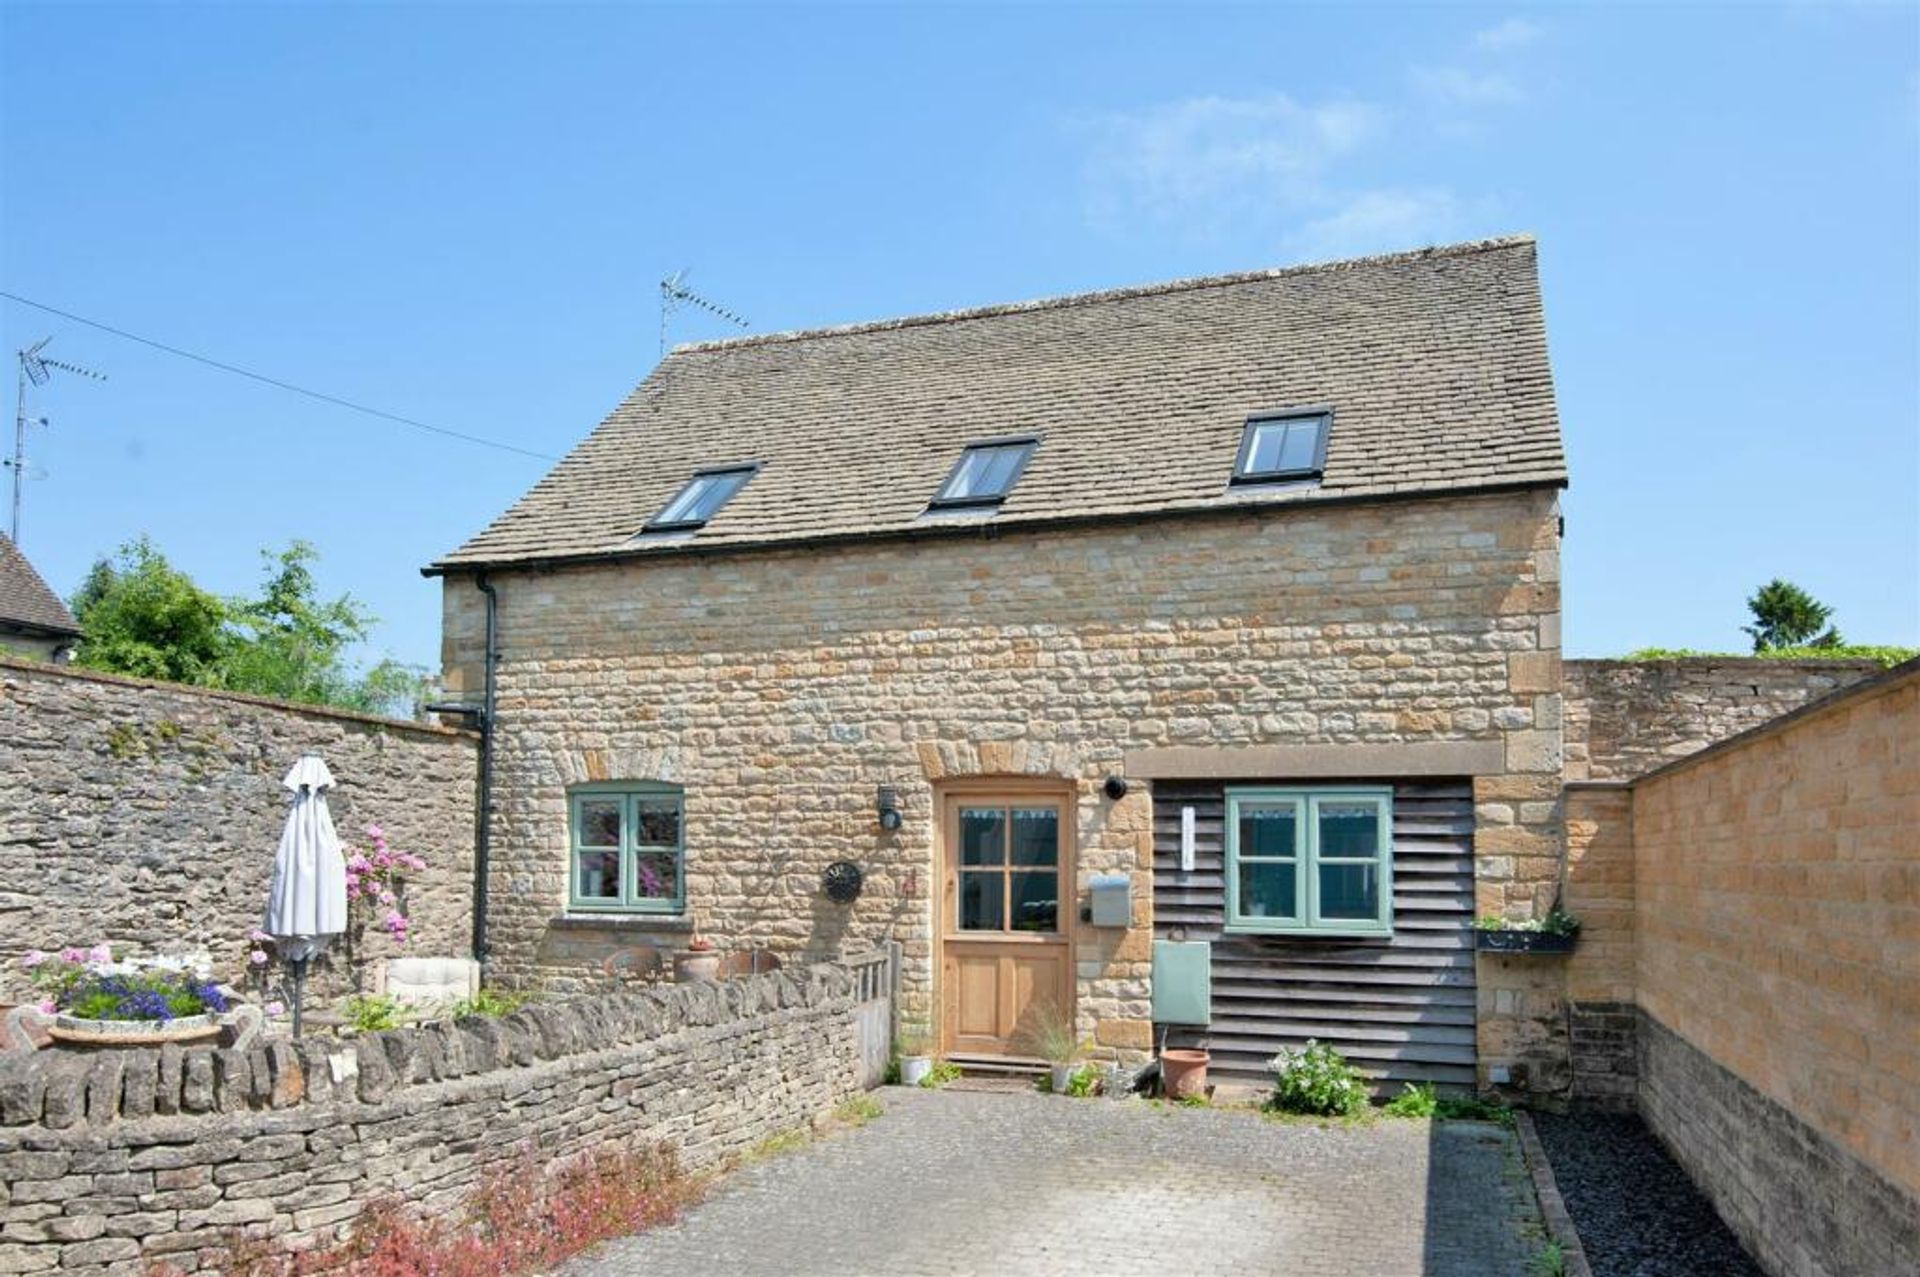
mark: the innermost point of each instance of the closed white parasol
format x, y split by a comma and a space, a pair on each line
307, 903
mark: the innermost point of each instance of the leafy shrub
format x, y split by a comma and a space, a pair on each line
371, 1012
1316, 1080
1084, 1081
489, 1004
940, 1074
1418, 1100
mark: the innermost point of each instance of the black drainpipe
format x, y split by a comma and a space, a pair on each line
482, 817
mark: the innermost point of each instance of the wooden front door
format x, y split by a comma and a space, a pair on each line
1006, 906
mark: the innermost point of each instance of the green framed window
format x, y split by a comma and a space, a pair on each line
626, 848
1310, 861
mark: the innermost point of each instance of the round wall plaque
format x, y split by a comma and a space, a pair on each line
841, 882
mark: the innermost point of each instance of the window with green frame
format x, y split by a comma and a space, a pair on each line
626, 850
1310, 861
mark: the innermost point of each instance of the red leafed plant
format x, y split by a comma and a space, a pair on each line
519, 1220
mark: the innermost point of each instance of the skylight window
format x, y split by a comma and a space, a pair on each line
1284, 445
701, 498
985, 473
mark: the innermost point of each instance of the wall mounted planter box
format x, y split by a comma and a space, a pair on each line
1524, 942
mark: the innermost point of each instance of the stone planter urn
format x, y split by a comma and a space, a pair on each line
78, 1031
694, 965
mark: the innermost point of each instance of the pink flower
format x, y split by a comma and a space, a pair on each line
276, 1008
33, 958
257, 958
46, 1006
386, 897
100, 953
375, 832
73, 955
256, 935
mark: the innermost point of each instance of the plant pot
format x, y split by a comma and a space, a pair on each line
1183, 1074
132, 1033
1524, 942
696, 966
914, 1069
1062, 1075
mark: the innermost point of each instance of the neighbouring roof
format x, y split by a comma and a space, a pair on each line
1433, 362
26, 602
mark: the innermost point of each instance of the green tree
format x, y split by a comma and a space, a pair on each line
140, 615
286, 643
1784, 615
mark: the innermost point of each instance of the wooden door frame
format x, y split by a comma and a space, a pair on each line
1016, 790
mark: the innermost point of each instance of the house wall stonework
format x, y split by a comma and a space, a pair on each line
780, 688
147, 814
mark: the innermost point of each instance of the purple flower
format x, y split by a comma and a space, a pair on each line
33, 958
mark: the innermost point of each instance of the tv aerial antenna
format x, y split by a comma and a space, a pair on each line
36, 369
675, 296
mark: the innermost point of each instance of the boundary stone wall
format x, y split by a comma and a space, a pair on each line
113, 1161
147, 814
1625, 718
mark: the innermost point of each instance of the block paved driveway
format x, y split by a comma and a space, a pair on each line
1005, 1185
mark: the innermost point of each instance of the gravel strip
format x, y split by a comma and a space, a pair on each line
1637, 1212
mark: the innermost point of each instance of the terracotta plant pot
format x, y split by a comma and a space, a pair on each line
1183, 1074
914, 1069
696, 966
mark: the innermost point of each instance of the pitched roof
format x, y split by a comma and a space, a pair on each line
1434, 363
26, 603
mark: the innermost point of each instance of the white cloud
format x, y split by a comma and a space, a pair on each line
1457, 86
1380, 220
1514, 33
1205, 161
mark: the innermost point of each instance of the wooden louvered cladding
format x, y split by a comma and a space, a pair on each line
1400, 1008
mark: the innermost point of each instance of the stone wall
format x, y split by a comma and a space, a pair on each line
781, 688
147, 814
1624, 718
1600, 973
114, 1161
1777, 925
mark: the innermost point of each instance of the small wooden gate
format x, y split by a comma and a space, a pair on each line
876, 977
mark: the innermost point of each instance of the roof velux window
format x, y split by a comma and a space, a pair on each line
1283, 445
985, 473
701, 498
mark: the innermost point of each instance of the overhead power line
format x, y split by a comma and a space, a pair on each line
275, 382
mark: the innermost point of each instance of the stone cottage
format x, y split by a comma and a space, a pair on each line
1239, 597
33, 620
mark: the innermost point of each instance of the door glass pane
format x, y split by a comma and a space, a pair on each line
1349, 830
1268, 829
599, 822
983, 836
982, 900
1350, 891
654, 875
1036, 901
597, 875
659, 823
1267, 890
1036, 836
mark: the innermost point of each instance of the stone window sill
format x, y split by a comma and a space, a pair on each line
642, 923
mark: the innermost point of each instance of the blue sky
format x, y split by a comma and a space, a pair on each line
460, 215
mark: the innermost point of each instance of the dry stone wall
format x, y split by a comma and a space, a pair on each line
113, 1161
780, 689
147, 814
1625, 718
